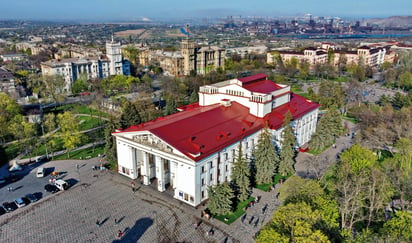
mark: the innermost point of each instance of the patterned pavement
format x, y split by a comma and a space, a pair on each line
144, 216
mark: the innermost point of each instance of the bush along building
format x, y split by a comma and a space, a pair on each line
196, 147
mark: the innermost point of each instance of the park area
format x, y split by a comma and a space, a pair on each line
87, 128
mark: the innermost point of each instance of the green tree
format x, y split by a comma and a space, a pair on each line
171, 104
54, 87
399, 228
269, 235
130, 115
298, 190
360, 187
220, 199
49, 122
331, 56
23, 131
110, 146
131, 53
405, 80
8, 110
342, 63
240, 176
329, 127
287, 151
297, 221
147, 110
69, 131
266, 159
36, 84
398, 171
147, 80
304, 68
330, 94
80, 84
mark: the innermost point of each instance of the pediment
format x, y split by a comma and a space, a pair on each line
153, 141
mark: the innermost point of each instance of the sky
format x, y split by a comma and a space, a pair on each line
101, 10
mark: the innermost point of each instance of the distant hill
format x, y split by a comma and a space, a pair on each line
394, 21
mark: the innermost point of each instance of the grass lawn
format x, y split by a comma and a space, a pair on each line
232, 217
12, 150
296, 88
278, 177
82, 109
83, 154
351, 119
79, 109
87, 122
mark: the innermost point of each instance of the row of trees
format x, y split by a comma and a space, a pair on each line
261, 169
349, 204
28, 135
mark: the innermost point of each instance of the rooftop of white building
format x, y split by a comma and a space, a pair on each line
199, 131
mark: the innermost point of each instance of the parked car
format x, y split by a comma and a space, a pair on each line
51, 188
34, 197
14, 177
42, 158
2, 210
19, 202
10, 206
26, 200
61, 184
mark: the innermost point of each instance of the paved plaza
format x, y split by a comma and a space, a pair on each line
145, 215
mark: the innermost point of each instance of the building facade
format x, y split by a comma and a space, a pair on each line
196, 147
93, 67
72, 68
190, 58
369, 55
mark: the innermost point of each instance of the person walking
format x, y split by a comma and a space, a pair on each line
97, 223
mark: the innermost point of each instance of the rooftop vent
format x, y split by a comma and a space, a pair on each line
226, 102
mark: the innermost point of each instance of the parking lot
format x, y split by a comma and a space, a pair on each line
71, 216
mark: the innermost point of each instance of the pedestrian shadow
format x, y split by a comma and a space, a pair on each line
120, 220
104, 220
17, 188
135, 233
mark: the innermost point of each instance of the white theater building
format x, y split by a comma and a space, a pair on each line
196, 147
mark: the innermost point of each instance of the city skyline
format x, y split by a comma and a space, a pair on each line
102, 10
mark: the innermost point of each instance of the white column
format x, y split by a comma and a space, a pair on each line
146, 169
160, 174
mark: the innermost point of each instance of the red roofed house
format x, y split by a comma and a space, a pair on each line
195, 148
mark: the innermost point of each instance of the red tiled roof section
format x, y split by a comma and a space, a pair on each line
207, 132
259, 83
253, 78
200, 131
264, 86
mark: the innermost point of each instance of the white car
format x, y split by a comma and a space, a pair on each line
20, 203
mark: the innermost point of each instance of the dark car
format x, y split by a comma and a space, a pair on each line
34, 197
2, 210
14, 177
10, 206
51, 188
26, 200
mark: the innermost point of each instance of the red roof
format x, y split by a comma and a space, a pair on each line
264, 86
200, 131
259, 83
256, 77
